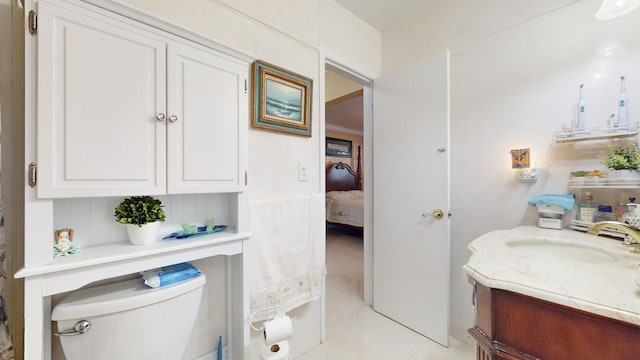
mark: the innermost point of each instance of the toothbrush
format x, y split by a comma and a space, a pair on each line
580, 124
623, 121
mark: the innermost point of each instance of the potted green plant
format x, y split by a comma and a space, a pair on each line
623, 160
142, 215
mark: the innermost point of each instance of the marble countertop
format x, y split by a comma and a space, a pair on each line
606, 287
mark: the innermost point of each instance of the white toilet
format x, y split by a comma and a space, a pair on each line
129, 320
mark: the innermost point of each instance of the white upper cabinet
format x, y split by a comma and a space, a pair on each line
208, 115
126, 109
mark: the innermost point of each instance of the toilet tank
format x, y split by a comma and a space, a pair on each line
130, 320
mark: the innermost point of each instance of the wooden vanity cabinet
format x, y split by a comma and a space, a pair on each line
515, 326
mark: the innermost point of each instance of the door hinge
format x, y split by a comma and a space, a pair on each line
33, 174
33, 23
246, 86
246, 178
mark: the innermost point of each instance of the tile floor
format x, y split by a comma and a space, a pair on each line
354, 330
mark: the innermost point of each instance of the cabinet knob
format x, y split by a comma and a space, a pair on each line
173, 118
160, 117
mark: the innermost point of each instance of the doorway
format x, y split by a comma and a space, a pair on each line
410, 232
348, 116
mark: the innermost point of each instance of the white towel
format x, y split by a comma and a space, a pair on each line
287, 253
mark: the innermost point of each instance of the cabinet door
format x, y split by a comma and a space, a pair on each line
101, 83
208, 118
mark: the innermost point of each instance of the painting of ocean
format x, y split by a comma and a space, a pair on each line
283, 101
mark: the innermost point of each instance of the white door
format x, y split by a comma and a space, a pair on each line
207, 114
101, 82
410, 181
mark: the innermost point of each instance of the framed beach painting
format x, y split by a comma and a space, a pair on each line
280, 100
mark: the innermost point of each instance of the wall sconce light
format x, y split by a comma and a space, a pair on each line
613, 8
520, 161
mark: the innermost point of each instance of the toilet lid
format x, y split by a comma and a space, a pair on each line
117, 297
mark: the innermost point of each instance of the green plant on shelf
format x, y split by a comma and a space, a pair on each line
623, 157
139, 210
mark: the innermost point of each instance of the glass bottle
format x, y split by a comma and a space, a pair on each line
587, 208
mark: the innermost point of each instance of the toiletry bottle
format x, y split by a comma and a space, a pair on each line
604, 213
631, 216
620, 210
581, 123
623, 120
587, 208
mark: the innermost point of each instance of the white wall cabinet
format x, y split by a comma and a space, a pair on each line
119, 103
125, 109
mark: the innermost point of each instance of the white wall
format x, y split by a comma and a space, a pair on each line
454, 23
511, 88
287, 33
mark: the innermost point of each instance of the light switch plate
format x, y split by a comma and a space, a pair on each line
303, 173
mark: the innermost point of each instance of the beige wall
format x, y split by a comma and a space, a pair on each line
338, 85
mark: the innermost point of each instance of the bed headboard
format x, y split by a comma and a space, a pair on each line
340, 177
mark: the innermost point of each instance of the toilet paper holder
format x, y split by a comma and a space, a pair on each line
276, 329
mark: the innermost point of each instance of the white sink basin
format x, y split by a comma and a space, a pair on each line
562, 251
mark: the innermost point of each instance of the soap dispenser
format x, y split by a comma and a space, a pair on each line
632, 216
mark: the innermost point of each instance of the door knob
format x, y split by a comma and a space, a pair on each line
437, 213
173, 118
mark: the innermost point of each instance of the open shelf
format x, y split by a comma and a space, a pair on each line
596, 133
604, 183
115, 259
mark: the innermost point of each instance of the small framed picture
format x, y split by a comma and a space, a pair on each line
520, 159
337, 147
280, 99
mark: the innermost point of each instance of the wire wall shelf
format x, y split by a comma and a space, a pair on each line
596, 133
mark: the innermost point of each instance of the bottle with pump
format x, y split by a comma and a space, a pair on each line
587, 208
631, 216
581, 123
623, 120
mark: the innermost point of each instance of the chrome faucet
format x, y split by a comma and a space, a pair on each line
631, 234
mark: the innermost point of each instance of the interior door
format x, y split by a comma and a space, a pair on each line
410, 182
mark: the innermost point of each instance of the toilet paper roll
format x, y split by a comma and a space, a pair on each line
278, 329
277, 351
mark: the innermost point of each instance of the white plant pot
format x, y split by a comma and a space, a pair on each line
143, 235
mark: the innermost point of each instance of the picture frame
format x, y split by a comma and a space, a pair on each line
338, 147
280, 99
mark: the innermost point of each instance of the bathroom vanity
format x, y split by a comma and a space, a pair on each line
554, 294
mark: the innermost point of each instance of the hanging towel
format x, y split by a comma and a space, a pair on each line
563, 200
287, 253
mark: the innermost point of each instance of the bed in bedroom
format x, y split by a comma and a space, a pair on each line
344, 198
